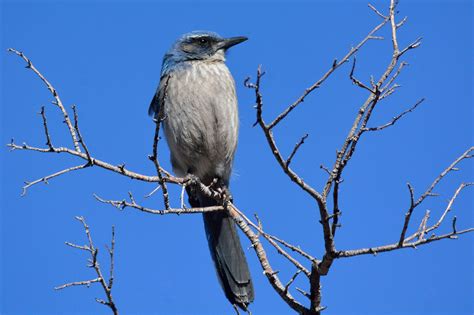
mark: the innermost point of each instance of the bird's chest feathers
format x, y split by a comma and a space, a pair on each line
201, 104
201, 93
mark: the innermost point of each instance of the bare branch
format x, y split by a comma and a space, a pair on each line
46, 131
86, 283
400, 24
395, 119
450, 205
395, 246
466, 155
336, 64
422, 228
315, 289
94, 263
122, 204
271, 275
82, 247
303, 292
45, 179
154, 158
292, 279
53, 91
377, 12
356, 81
293, 248
393, 4
329, 243
80, 138
271, 141
413, 45
295, 149
245, 225
392, 79
445, 212
407, 215
111, 254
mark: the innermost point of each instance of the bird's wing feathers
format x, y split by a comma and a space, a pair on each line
157, 100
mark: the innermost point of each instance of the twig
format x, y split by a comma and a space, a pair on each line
422, 228
292, 279
356, 81
153, 191
407, 215
393, 78
45, 179
395, 119
295, 149
336, 64
154, 158
288, 171
80, 138
466, 155
120, 169
94, 263
122, 204
395, 246
53, 91
377, 12
86, 283
445, 212
413, 45
46, 131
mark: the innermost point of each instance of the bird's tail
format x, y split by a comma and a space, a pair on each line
228, 256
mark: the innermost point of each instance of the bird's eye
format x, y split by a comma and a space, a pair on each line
203, 41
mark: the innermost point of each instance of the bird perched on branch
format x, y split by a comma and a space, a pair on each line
198, 105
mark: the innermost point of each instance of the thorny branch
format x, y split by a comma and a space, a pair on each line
378, 90
94, 263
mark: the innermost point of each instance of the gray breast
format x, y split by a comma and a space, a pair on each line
201, 124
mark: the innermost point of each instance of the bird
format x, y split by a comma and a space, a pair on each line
198, 104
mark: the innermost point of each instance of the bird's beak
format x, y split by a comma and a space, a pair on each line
232, 41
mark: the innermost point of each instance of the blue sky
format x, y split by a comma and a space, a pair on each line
105, 57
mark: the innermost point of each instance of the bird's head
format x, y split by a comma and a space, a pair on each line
202, 45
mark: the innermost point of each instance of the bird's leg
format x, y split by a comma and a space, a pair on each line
223, 190
190, 185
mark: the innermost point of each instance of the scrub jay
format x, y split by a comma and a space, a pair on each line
201, 127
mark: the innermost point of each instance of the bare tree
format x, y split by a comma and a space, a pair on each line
326, 198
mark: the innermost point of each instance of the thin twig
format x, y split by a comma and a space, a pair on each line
395, 246
466, 155
336, 64
358, 82
395, 119
154, 158
295, 149
292, 279
46, 131
122, 204
45, 179
407, 215
94, 263
86, 283
377, 12
55, 94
